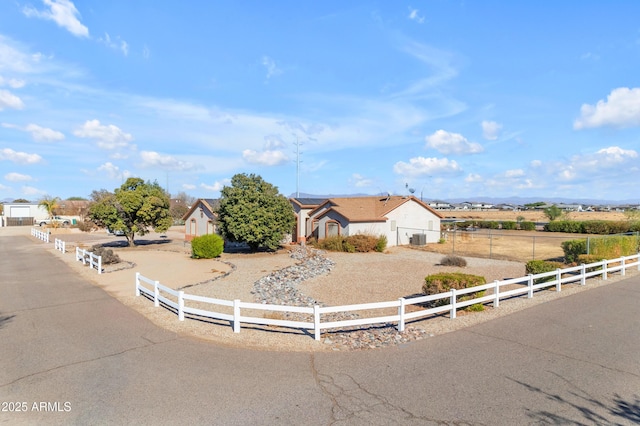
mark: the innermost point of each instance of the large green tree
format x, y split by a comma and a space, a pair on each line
133, 208
252, 211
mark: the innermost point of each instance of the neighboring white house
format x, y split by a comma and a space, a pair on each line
201, 218
22, 214
399, 218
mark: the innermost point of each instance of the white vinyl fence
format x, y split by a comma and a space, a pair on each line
89, 258
238, 312
44, 236
60, 245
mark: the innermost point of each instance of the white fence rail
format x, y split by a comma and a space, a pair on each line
238, 312
60, 245
44, 236
89, 258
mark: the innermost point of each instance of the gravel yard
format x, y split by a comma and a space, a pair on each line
346, 278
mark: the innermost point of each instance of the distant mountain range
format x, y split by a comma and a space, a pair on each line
500, 200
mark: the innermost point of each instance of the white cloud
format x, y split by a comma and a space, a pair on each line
452, 143
12, 82
217, 186
272, 68
107, 137
265, 158
415, 16
19, 157
112, 171
535, 163
9, 100
621, 109
63, 13
360, 181
30, 190
515, 173
146, 52
117, 44
39, 133
167, 162
420, 166
490, 130
17, 177
188, 186
473, 177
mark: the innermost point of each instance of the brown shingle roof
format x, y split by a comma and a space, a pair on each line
369, 209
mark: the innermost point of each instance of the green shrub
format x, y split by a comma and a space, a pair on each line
207, 246
614, 246
453, 261
541, 266
492, 224
589, 258
573, 248
381, 244
509, 224
361, 243
108, 256
527, 226
568, 226
334, 243
441, 283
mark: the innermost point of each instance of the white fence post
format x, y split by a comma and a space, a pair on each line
316, 322
604, 270
181, 305
236, 316
623, 269
156, 294
530, 284
137, 283
401, 310
453, 304
558, 280
99, 264
583, 271
496, 300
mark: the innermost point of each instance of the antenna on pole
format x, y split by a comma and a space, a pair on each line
297, 167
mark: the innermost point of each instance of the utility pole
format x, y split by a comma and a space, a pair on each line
297, 167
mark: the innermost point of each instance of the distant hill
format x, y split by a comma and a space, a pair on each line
499, 200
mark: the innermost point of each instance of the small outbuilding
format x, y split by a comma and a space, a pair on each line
201, 218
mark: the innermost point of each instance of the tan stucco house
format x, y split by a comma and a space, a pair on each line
399, 218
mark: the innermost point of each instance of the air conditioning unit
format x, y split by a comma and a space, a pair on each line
419, 239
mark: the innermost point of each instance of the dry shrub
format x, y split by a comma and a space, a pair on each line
362, 243
107, 254
453, 261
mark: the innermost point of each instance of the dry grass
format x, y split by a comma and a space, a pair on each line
520, 246
532, 216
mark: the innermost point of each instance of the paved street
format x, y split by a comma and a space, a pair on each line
72, 354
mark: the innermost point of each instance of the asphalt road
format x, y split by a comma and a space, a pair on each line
71, 354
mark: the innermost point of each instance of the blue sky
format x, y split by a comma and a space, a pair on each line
454, 99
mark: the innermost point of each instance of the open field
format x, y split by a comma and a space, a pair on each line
528, 215
520, 246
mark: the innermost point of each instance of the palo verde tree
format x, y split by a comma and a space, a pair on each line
552, 213
133, 208
252, 211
